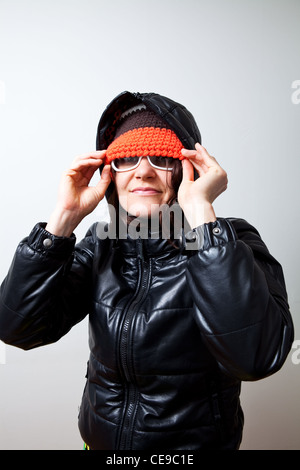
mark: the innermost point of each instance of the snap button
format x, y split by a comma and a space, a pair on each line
216, 231
47, 242
191, 237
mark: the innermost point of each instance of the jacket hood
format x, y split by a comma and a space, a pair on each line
174, 114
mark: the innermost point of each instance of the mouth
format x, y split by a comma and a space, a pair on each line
145, 191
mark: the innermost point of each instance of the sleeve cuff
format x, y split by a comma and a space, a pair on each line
43, 241
209, 235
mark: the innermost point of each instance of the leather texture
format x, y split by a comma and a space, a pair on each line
174, 329
175, 114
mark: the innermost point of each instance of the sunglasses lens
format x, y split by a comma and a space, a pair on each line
125, 163
163, 162
129, 163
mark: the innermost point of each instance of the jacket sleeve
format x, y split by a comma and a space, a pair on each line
46, 290
240, 299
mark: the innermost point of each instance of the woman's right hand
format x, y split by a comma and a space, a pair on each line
76, 198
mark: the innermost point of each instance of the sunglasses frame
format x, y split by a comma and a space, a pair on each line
137, 164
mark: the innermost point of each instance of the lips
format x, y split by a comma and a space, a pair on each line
146, 191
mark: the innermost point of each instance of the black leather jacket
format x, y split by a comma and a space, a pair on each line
173, 330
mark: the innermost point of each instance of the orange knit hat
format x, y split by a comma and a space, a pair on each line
143, 133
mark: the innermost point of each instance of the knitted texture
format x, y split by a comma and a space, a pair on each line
142, 133
143, 142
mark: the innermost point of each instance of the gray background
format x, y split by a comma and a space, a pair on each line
233, 63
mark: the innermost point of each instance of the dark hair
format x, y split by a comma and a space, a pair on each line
176, 179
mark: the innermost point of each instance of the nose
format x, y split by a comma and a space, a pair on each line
145, 170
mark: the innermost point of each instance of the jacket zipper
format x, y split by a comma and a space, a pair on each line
131, 394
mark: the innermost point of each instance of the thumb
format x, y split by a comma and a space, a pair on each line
187, 171
105, 179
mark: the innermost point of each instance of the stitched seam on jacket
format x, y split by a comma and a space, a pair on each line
173, 309
235, 331
13, 311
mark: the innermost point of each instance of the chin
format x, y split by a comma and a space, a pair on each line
143, 211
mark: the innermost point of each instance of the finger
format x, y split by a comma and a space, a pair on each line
188, 153
82, 172
97, 156
187, 171
197, 163
105, 179
208, 159
193, 152
93, 154
85, 163
106, 173
197, 157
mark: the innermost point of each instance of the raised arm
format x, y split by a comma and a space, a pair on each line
47, 288
242, 307
238, 287
76, 199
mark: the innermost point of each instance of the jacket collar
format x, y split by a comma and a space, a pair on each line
152, 246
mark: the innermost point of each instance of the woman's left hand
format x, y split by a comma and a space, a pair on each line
196, 196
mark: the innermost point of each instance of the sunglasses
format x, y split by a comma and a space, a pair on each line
130, 163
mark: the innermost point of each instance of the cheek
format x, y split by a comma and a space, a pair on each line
121, 181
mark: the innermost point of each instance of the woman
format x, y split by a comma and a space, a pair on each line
176, 321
